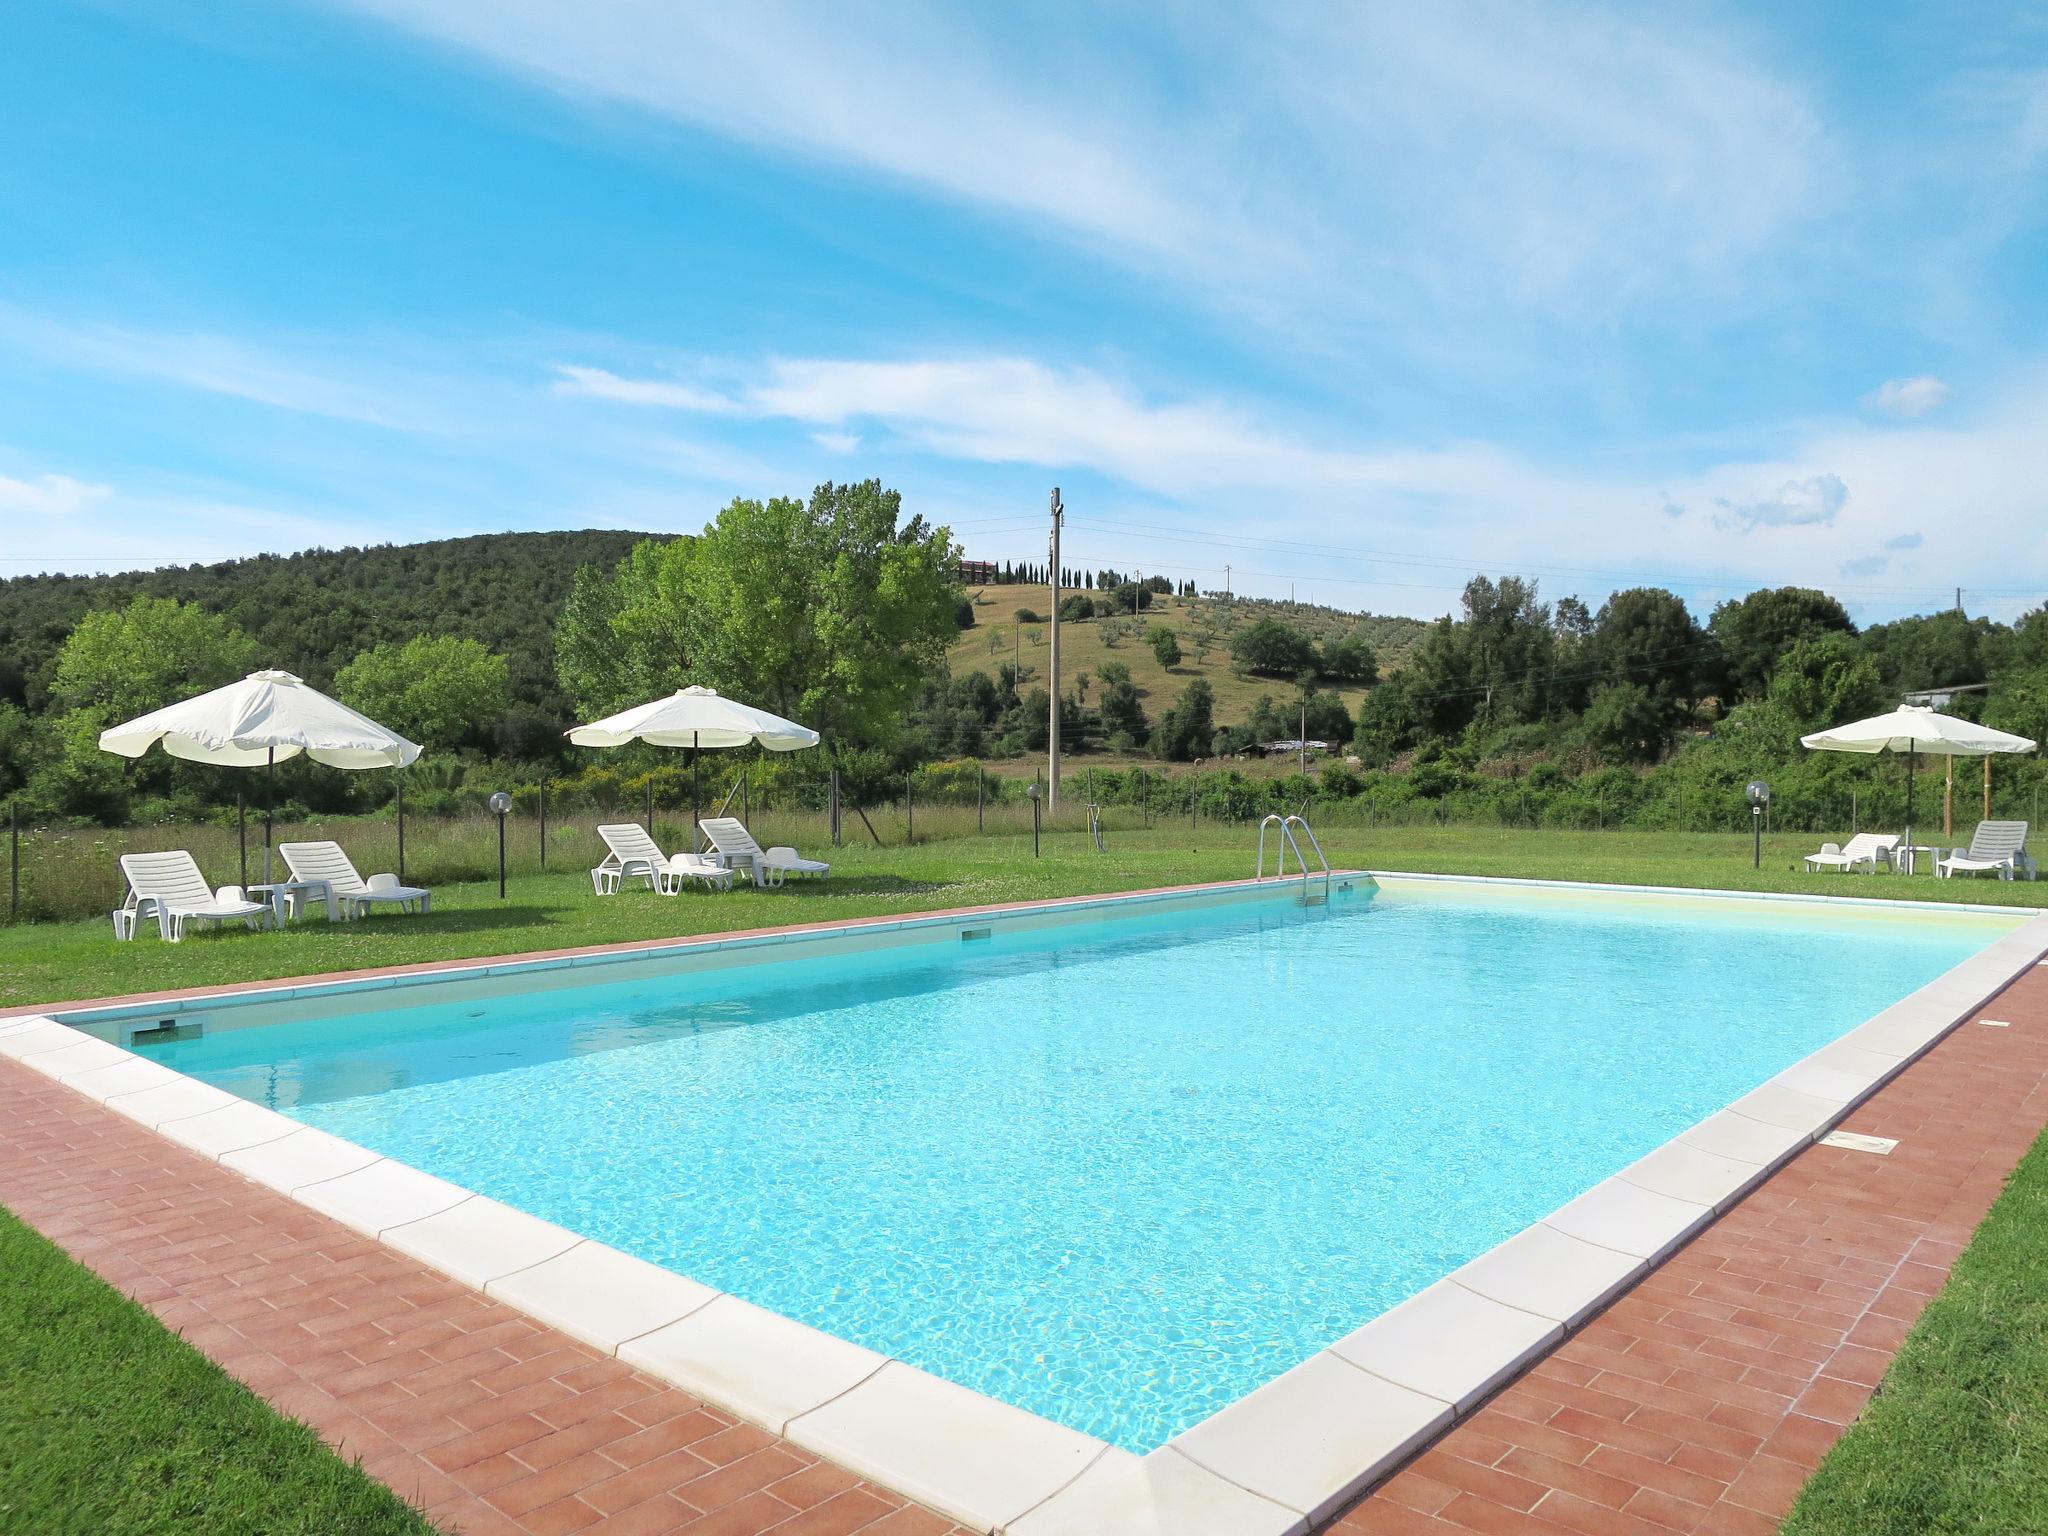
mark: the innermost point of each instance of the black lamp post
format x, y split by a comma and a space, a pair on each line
1759, 796
501, 804
1035, 807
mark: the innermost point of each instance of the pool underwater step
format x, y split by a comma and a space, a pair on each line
1293, 1451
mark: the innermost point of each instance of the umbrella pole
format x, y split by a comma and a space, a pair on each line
242, 832
269, 809
1987, 786
696, 799
1948, 797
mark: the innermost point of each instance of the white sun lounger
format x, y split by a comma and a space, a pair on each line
633, 854
170, 886
1872, 850
770, 866
348, 893
1996, 848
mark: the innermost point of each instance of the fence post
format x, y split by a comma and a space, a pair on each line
747, 796
242, 835
835, 807
980, 823
909, 810
543, 826
13, 860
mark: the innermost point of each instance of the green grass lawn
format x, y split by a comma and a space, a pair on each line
53, 962
110, 1425
1956, 1441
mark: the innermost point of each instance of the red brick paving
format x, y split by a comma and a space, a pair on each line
488, 1419
1703, 1399
1698, 1402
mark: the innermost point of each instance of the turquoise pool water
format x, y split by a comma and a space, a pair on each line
1118, 1173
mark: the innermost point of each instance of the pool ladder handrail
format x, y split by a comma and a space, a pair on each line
1288, 840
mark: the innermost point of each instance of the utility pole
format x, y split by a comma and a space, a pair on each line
1226, 579
1052, 786
1959, 599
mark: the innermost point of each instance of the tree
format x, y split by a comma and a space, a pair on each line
441, 691
1188, 729
1495, 665
1123, 714
1272, 647
1929, 651
1827, 679
1646, 638
1625, 723
832, 613
1165, 646
1349, 658
1754, 631
119, 663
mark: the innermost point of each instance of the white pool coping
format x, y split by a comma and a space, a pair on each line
1282, 1458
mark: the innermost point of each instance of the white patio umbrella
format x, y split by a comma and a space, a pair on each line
696, 718
265, 719
1913, 729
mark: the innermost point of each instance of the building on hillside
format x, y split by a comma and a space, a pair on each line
978, 572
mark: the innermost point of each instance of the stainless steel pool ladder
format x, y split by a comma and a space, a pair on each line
1287, 824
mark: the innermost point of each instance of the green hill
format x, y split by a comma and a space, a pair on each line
314, 611
1202, 625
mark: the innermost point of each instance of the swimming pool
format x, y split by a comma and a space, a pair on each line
1120, 1170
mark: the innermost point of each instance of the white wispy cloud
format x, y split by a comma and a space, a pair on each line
1909, 397
50, 496
1333, 167
268, 375
1817, 499
602, 384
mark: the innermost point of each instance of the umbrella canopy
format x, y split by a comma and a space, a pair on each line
265, 718
1916, 728
696, 717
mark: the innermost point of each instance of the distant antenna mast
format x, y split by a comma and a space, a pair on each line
1052, 787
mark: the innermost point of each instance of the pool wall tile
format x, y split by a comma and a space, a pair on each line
1450, 1343
1311, 1439
1630, 1219
1742, 1138
759, 1364
602, 1296
478, 1240
305, 1157
1550, 1273
132, 1074
1162, 1494
1685, 1171
971, 1458
381, 1196
157, 1107
229, 1128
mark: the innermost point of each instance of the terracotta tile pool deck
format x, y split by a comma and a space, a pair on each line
1698, 1401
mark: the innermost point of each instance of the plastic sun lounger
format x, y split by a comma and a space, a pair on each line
170, 886
326, 865
1871, 849
770, 866
633, 854
1996, 848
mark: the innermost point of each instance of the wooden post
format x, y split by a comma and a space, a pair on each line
980, 822
543, 826
401, 830
909, 810
242, 834
13, 860
835, 807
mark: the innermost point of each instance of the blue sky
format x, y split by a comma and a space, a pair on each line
1358, 299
